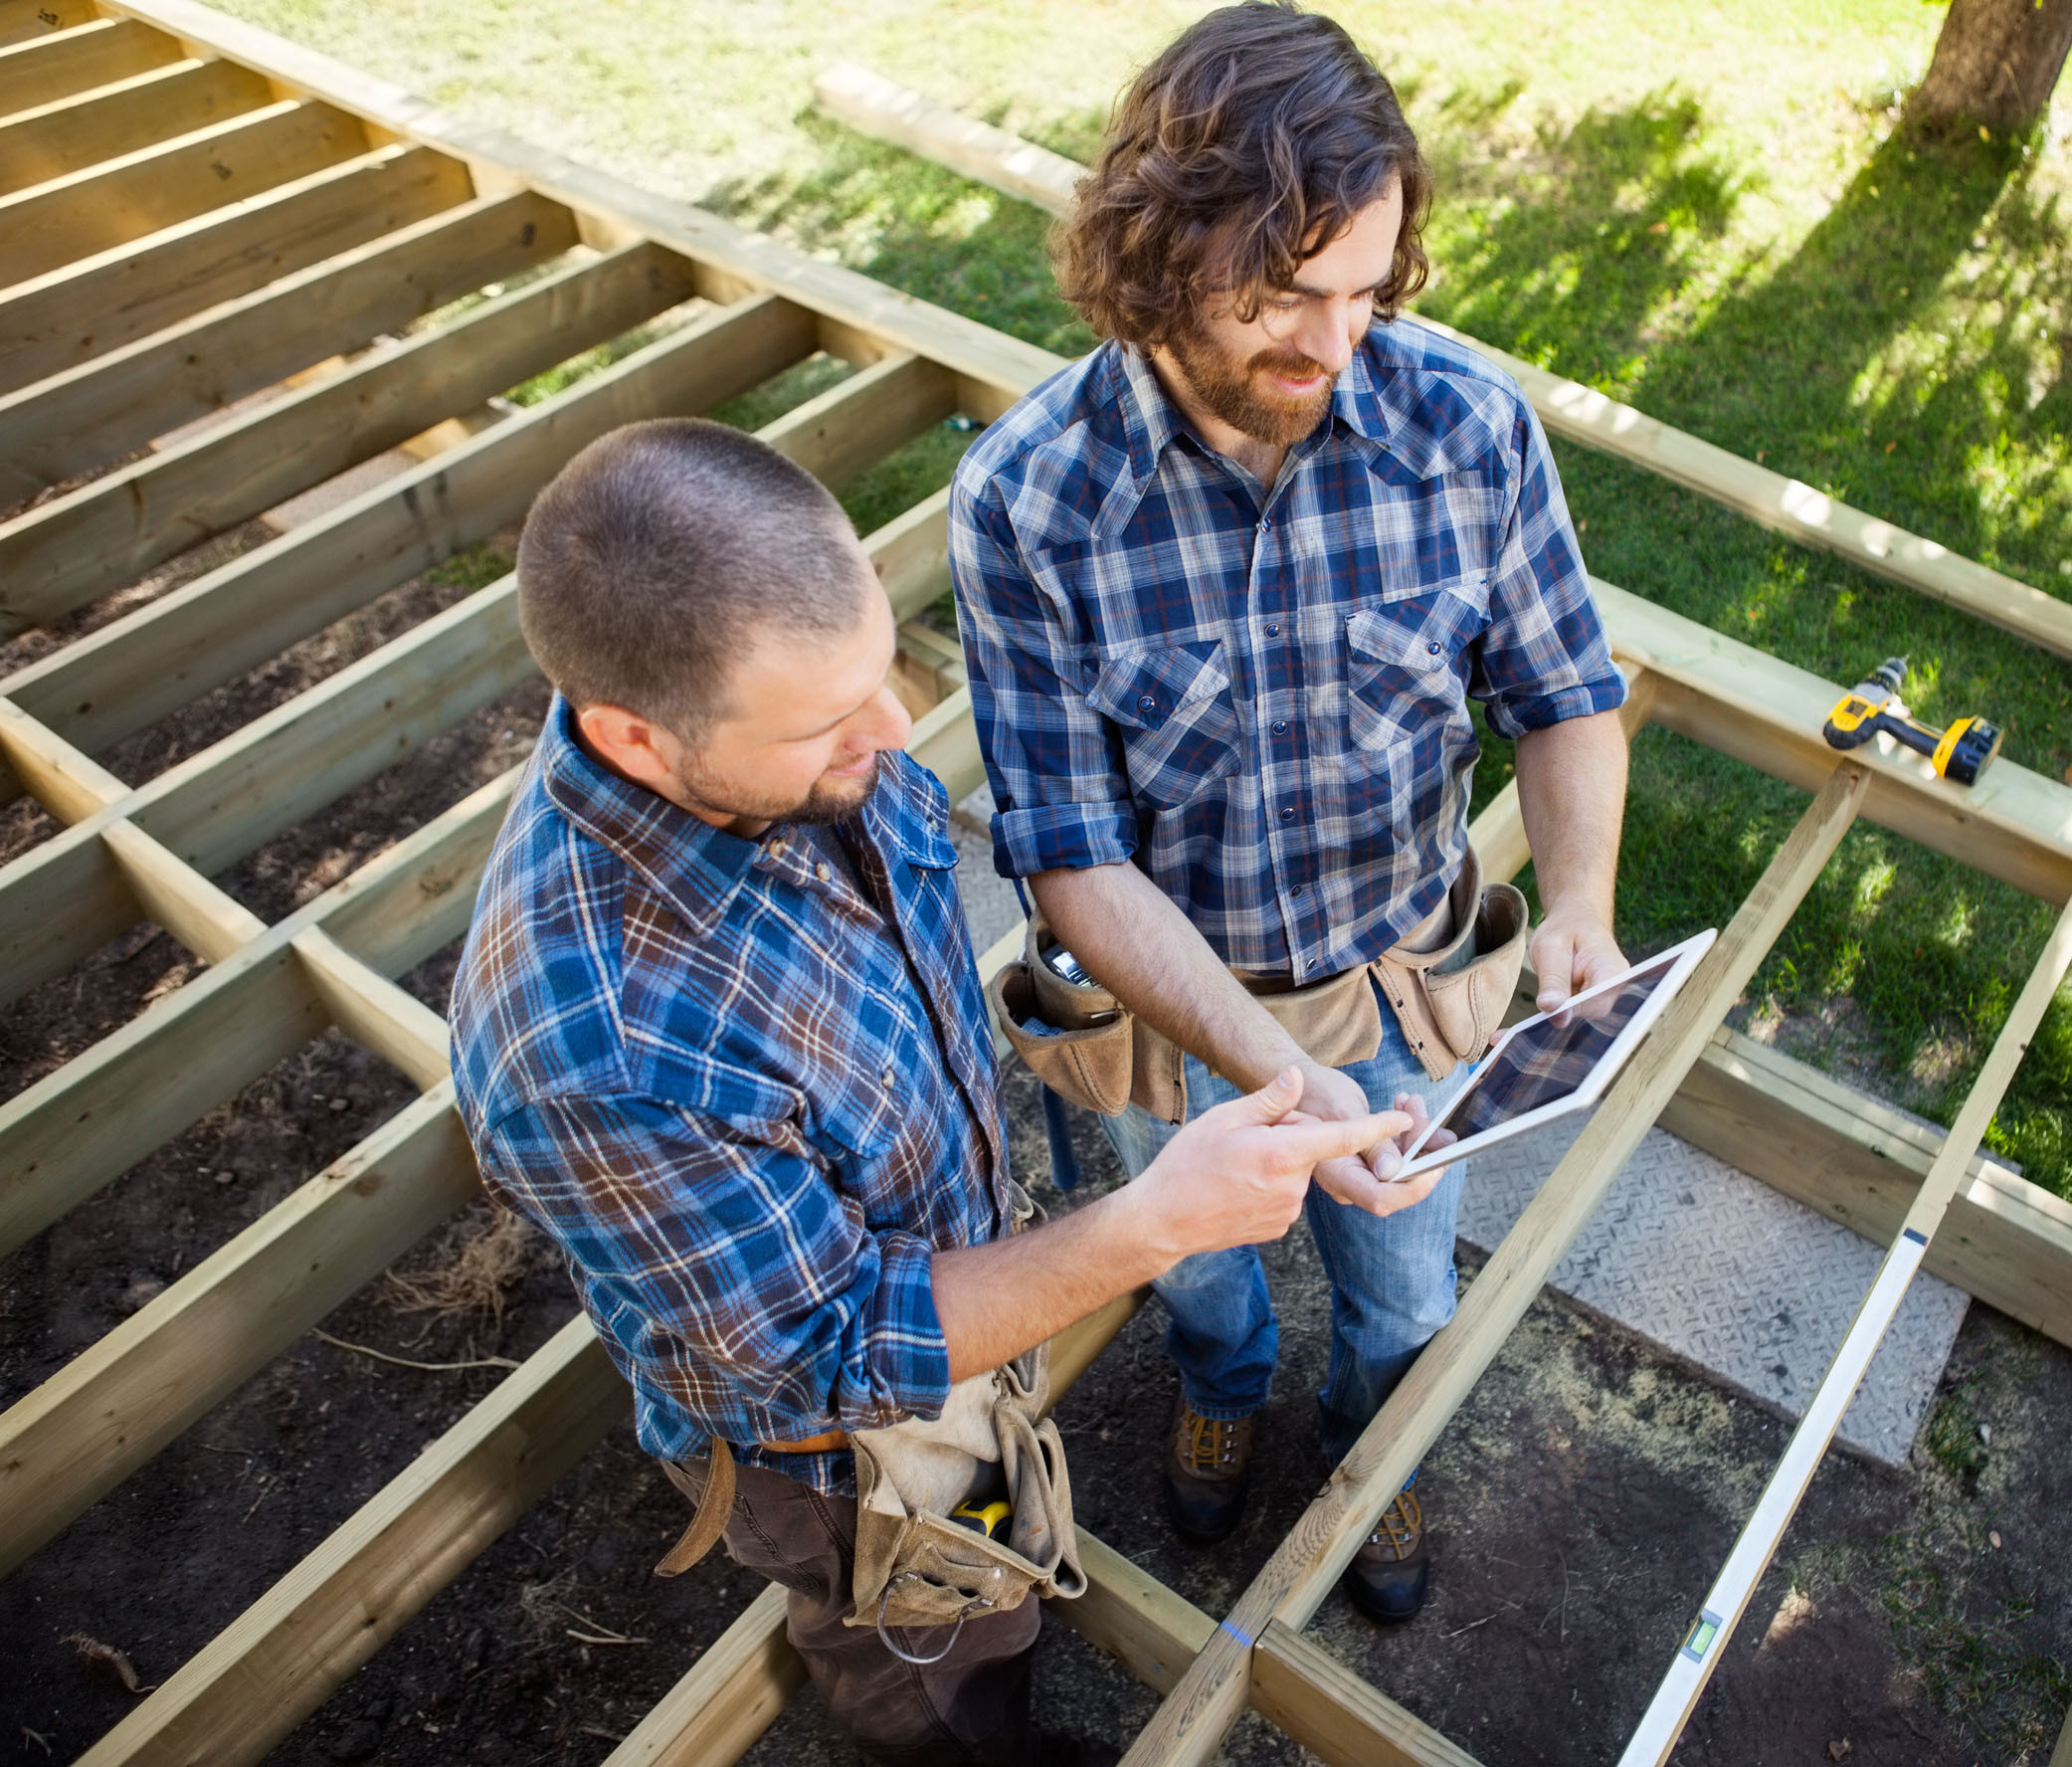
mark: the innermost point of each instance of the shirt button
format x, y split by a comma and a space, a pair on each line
775, 848
1265, 522
1146, 703
1280, 727
1434, 648
824, 871
1273, 631
1287, 813
889, 1079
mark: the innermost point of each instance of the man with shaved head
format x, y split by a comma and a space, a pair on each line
718, 1031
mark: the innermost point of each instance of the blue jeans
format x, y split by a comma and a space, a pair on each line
1392, 1276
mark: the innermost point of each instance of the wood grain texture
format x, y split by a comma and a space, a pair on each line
77, 420
116, 297
1190, 1725
102, 207
42, 69
1341, 1719
56, 140
729, 1697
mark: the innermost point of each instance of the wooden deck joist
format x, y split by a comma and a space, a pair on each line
241, 296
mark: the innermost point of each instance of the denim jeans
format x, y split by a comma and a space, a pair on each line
1392, 1276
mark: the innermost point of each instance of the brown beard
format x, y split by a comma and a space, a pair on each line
823, 805
1231, 391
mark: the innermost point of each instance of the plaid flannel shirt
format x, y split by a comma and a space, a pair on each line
1262, 698
747, 1118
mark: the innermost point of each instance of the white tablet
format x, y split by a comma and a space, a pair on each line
1553, 1065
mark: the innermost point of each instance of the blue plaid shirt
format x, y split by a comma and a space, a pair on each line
747, 1104
1262, 698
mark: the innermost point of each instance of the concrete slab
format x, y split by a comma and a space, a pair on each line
1709, 1265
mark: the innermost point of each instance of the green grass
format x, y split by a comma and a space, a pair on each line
1700, 210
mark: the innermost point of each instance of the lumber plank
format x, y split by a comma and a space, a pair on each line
112, 1409
856, 423
56, 140
1191, 1724
879, 108
136, 670
992, 370
728, 1699
946, 743
205, 919
73, 422
51, 225
912, 554
2014, 825
373, 1011
274, 1665
1339, 1718
69, 784
95, 1116
80, 545
23, 21
1150, 1630
117, 296
100, 51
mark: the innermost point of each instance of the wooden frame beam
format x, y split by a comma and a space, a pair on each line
49, 226
58, 139
114, 299
73, 422
101, 51
83, 544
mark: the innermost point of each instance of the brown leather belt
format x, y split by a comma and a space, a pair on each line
827, 1442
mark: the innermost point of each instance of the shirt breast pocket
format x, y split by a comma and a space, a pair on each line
1178, 720
1405, 665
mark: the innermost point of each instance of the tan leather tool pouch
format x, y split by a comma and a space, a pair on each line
1078, 1040
1449, 982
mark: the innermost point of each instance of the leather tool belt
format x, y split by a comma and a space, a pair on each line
1448, 982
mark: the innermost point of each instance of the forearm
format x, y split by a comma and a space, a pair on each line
1144, 951
1571, 794
999, 1299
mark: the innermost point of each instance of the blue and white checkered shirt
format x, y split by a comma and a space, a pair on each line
747, 1101
1262, 698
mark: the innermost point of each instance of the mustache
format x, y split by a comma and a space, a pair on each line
1295, 366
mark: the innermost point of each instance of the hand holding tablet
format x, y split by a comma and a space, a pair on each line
1556, 1064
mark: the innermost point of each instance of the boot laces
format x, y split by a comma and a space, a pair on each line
1401, 1524
1211, 1443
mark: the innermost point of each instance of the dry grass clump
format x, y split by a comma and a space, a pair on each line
472, 1268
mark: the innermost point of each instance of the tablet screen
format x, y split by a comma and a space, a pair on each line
1541, 1061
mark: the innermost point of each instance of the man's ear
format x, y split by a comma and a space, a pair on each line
636, 748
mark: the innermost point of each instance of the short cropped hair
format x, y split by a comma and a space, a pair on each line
661, 550
1249, 145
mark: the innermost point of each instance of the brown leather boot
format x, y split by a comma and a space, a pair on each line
1207, 1474
1390, 1573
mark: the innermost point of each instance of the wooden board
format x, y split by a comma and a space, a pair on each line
115, 298
40, 70
52, 430
55, 141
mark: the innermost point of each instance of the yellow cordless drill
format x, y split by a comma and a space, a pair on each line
1959, 753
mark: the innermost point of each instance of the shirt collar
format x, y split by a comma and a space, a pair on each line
694, 866
1152, 422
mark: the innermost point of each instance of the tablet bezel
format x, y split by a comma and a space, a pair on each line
1685, 955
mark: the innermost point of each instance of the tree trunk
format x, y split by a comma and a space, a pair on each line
1996, 63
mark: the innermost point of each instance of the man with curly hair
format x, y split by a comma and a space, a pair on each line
1228, 585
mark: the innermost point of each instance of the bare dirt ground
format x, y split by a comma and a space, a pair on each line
1582, 1501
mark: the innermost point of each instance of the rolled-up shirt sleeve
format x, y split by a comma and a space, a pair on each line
727, 1274
1061, 801
1545, 657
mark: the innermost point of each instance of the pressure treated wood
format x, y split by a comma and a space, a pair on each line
25, 20
104, 206
137, 668
115, 298
42, 69
730, 1696
93, 539
55, 141
1190, 1725
74, 421
1341, 1719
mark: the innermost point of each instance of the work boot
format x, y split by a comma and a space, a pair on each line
1392, 1571
1207, 1474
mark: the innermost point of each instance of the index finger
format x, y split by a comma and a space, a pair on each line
1318, 1140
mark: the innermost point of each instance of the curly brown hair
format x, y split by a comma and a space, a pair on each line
1244, 148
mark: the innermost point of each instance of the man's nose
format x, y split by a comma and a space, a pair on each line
890, 724
1326, 337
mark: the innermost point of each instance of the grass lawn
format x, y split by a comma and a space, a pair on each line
1701, 209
